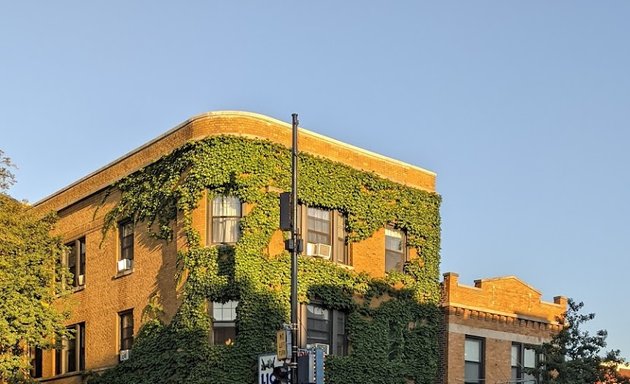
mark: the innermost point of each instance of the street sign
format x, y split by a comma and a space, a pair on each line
266, 364
281, 344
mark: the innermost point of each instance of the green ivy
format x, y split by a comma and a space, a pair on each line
393, 323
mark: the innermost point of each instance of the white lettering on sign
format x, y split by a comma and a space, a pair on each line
266, 364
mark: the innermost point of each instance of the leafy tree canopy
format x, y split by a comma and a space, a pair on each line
574, 356
6, 176
29, 257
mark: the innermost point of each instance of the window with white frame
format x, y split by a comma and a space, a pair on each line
523, 359
395, 249
473, 360
70, 351
325, 235
75, 261
224, 322
327, 327
224, 218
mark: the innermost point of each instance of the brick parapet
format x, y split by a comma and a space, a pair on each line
503, 296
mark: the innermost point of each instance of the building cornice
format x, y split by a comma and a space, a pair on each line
471, 312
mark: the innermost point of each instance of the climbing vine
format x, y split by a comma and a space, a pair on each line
392, 323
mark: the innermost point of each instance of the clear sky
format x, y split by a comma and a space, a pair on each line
521, 107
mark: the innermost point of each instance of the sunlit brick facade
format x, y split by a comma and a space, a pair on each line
109, 299
491, 327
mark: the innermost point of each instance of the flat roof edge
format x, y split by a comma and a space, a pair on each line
211, 114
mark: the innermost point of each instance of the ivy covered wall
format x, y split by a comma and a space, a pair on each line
393, 323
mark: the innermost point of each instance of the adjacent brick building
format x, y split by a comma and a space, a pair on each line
491, 328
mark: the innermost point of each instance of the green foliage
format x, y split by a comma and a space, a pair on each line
573, 356
6, 176
29, 257
393, 323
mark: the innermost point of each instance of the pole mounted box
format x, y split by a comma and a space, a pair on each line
285, 211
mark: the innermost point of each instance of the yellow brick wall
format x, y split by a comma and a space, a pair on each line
500, 311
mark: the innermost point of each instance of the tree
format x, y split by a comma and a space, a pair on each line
29, 261
6, 177
573, 356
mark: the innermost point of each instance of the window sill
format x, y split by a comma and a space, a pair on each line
222, 245
123, 273
330, 260
78, 289
62, 376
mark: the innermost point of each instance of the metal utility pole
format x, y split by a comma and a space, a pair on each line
294, 252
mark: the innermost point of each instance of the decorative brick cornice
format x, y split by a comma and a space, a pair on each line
503, 318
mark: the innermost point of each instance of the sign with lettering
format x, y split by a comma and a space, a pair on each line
281, 344
266, 364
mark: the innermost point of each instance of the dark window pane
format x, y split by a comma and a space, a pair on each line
36, 362
318, 327
340, 341
58, 358
224, 334
126, 240
82, 347
126, 330
71, 350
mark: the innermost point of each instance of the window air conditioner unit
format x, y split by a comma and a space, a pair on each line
81, 279
322, 346
124, 354
319, 250
124, 265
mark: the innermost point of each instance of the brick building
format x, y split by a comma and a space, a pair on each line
121, 274
491, 328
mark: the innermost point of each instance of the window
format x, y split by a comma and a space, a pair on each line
75, 261
325, 234
524, 357
473, 361
395, 250
224, 217
224, 322
36, 357
125, 231
326, 326
126, 329
70, 352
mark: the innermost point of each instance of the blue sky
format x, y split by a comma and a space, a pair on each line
522, 109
